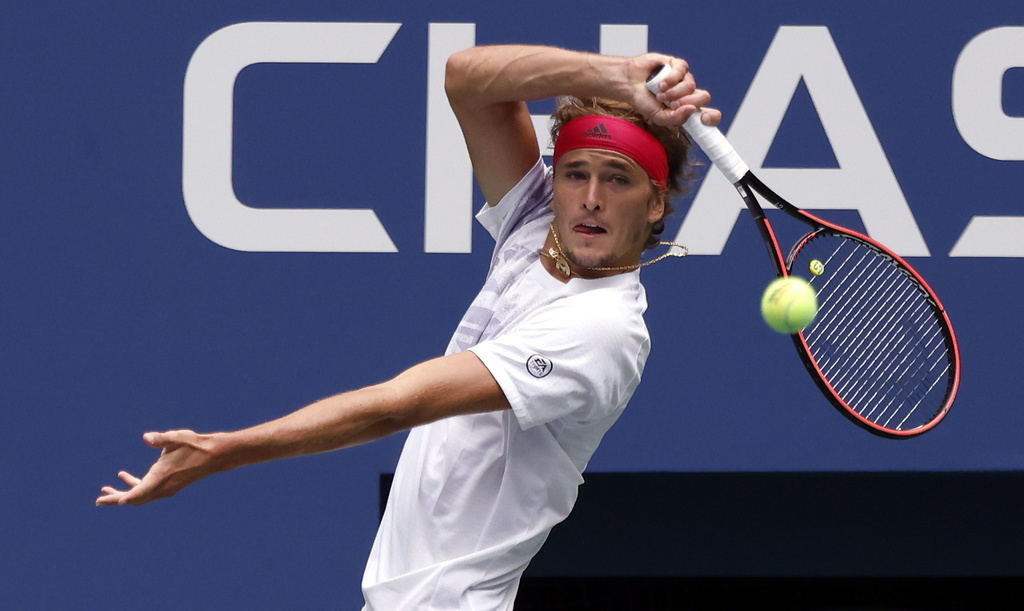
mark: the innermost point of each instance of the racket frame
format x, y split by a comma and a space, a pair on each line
747, 186
725, 158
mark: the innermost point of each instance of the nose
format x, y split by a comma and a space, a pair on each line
592, 195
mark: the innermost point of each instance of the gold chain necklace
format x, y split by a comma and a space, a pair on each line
562, 261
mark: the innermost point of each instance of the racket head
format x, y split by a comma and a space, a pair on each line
882, 347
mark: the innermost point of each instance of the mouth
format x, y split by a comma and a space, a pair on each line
588, 229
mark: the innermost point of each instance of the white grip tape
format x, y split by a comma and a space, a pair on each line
708, 138
717, 148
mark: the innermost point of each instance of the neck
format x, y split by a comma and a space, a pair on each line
559, 265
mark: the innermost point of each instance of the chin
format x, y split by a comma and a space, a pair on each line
590, 260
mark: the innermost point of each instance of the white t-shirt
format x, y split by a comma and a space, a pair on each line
474, 497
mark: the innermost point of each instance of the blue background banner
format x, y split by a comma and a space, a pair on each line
215, 214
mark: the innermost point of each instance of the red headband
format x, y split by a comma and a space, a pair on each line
619, 135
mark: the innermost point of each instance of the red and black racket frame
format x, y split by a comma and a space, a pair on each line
746, 187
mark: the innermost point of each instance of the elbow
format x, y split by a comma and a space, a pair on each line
471, 75
456, 75
405, 405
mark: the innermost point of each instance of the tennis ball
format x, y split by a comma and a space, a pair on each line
789, 304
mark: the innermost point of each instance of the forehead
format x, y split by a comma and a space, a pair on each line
598, 158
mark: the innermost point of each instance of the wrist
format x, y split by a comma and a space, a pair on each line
606, 76
228, 451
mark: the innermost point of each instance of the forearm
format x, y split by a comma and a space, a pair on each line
488, 88
336, 422
510, 73
439, 388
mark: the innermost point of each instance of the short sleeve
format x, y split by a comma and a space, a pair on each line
527, 200
577, 359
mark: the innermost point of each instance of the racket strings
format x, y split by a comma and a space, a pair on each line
922, 389
910, 379
881, 338
886, 347
877, 341
849, 304
878, 346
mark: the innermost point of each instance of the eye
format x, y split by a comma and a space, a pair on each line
575, 175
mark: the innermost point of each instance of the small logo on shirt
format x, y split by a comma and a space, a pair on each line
538, 366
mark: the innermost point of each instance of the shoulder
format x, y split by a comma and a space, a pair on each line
528, 201
611, 313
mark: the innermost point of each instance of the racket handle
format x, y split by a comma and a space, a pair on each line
707, 137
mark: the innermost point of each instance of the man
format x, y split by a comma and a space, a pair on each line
545, 359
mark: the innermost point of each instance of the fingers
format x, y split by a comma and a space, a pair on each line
112, 496
678, 94
654, 63
129, 479
160, 440
710, 116
674, 90
139, 492
135, 494
168, 438
181, 462
678, 111
684, 94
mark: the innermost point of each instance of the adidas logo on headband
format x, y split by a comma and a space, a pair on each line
598, 131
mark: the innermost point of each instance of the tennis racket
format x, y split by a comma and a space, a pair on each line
882, 348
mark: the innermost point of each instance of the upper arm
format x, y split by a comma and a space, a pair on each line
500, 136
447, 386
584, 358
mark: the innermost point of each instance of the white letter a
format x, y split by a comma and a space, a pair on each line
864, 180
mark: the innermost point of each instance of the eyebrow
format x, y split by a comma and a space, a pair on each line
612, 163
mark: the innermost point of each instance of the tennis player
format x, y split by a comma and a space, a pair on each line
545, 359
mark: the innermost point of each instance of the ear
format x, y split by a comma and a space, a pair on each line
656, 208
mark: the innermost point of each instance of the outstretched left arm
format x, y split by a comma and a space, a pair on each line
438, 388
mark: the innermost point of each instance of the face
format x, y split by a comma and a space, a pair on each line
604, 206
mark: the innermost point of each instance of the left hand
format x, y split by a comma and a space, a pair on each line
186, 457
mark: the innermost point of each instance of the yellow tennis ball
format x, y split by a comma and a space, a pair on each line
789, 304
